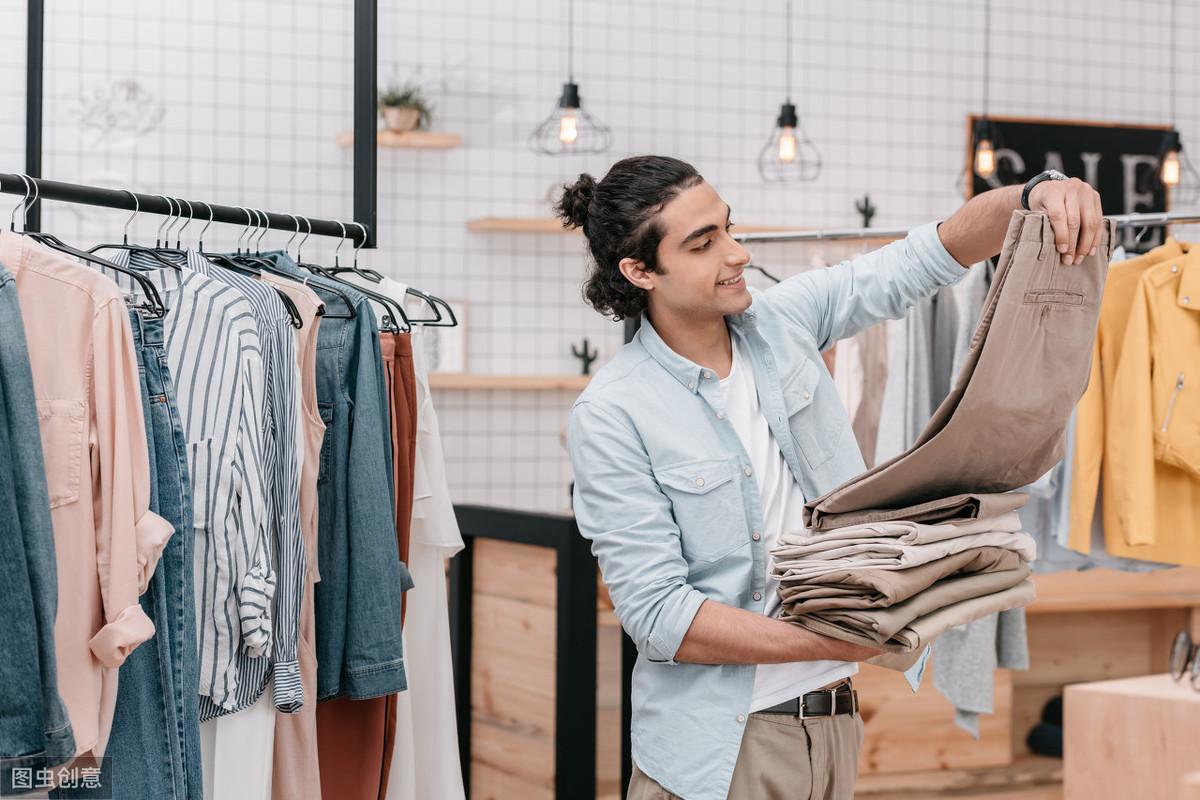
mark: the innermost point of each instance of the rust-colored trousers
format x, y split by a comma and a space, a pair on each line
356, 738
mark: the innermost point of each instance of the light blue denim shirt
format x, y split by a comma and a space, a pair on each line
666, 494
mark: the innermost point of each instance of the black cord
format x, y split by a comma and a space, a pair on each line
987, 51
789, 51
570, 41
1171, 66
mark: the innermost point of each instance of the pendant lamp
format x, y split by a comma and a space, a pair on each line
983, 160
1172, 162
789, 155
570, 129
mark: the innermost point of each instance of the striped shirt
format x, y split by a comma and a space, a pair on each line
215, 356
281, 464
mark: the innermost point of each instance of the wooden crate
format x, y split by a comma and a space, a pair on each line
1135, 737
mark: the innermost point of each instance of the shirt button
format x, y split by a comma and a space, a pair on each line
699, 481
692, 385
806, 395
758, 595
1186, 299
756, 536
720, 415
1174, 268
707, 374
741, 717
748, 472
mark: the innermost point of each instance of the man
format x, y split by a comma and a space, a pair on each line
698, 444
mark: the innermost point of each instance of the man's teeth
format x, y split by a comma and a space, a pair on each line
729, 281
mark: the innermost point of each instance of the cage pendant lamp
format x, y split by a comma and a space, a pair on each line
789, 155
983, 157
569, 128
1174, 166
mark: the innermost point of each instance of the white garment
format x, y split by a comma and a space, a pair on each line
425, 761
782, 506
237, 752
848, 374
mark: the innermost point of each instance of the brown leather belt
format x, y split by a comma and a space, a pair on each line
839, 699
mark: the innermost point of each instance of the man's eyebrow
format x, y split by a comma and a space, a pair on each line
696, 234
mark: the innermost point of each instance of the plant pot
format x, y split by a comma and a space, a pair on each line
400, 119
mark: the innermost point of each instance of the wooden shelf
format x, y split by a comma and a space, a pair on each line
1108, 590
527, 383
417, 140
517, 225
550, 225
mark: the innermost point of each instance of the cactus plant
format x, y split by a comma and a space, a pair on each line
586, 355
866, 209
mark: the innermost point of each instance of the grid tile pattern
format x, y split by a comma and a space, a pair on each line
255, 92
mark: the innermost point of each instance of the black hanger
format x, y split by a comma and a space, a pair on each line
132, 248
388, 320
347, 301
375, 277
245, 264
154, 304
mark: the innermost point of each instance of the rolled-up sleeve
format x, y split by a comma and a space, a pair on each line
620, 508
129, 537
840, 301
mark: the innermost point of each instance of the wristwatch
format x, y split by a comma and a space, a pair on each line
1048, 175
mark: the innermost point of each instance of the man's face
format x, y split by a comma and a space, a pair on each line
700, 264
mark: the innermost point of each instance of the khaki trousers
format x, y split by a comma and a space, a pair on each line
785, 758
1001, 427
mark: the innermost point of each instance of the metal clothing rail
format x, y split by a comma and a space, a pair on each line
850, 234
157, 204
366, 45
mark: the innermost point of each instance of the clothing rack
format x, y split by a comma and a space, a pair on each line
851, 234
366, 50
40, 189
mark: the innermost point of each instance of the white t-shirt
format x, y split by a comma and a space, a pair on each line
782, 505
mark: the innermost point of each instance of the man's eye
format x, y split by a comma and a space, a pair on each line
704, 246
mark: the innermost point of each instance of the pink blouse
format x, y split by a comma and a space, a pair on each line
107, 541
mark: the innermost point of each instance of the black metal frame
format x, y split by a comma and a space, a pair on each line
365, 154
575, 650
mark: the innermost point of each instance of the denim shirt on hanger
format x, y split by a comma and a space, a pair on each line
34, 731
357, 602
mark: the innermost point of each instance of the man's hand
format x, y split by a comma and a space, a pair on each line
1075, 214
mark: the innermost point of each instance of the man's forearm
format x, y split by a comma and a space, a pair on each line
976, 231
722, 634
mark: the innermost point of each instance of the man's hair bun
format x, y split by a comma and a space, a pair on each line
576, 198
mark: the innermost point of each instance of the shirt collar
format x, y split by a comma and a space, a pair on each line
689, 374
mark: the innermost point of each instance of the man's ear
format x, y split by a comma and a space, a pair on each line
636, 273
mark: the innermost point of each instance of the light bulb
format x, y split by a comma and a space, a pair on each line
568, 130
787, 145
985, 159
1169, 171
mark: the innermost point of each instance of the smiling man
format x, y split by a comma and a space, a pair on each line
697, 445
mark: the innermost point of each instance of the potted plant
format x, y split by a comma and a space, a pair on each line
404, 108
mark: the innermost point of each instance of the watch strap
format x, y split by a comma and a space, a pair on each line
1048, 175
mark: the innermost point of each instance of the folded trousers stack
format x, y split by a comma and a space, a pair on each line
930, 540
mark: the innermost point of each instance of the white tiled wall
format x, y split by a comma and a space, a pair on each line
253, 93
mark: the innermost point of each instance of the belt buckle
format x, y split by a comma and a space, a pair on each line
832, 703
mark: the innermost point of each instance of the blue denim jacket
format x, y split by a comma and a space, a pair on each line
34, 729
666, 494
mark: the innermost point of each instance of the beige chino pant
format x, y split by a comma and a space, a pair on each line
785, 758
1002, 425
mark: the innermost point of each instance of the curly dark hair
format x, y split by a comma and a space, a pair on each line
619, 217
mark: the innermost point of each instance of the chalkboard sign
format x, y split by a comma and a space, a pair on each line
1120, 161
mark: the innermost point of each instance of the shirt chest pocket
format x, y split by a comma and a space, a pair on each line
62, 423
707, 504
813, 433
